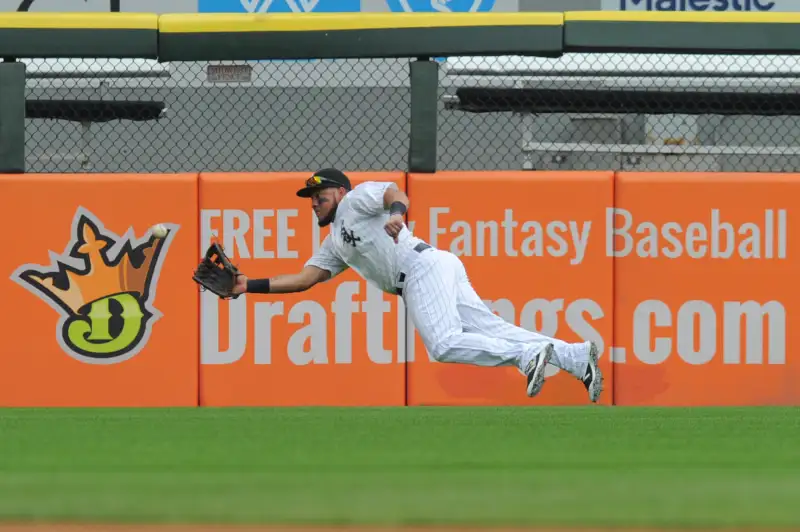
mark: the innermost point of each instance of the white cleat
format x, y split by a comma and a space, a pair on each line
593, 378
535, 370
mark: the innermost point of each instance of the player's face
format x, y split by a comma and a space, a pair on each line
324, 203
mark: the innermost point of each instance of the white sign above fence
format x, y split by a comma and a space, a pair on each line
713, 6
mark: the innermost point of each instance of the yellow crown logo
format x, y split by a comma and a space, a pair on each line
103, 286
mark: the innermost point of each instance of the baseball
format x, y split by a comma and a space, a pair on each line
159, 230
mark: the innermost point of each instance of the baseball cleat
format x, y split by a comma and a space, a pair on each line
535, 370
593, 378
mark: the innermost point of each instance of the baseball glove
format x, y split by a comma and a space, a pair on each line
216, 273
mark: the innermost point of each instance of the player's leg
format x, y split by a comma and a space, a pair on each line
578, 359
477, 317
431, 295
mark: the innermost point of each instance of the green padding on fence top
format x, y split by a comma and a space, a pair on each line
626, 31
202, 37
100, 35
208, 23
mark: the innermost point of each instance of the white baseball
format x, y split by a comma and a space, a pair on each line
159, 230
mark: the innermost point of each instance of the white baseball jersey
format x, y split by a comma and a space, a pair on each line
358, 240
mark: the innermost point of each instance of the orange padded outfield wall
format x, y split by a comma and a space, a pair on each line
97, 312
532, 245
706, 283
686, 281
336, 344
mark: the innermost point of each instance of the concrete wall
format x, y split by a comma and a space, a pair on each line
353, 114
363, 127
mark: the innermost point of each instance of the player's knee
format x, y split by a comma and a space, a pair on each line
443, 350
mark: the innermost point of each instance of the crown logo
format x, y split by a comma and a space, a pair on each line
103, 287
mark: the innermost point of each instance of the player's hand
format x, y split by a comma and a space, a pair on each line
394, 225
241, 284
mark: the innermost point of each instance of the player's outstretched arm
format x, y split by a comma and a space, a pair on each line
282, 284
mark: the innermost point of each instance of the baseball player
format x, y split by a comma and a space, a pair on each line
369, 235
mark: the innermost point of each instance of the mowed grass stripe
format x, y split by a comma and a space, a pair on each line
503, 466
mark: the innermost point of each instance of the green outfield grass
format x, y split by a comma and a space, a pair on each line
558, 466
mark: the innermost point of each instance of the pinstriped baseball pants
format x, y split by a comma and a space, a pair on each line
457, 326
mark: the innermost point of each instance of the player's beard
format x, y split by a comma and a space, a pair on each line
323, 222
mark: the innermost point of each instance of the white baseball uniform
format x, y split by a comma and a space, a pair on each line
453, 322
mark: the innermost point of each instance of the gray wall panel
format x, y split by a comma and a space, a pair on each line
83, 6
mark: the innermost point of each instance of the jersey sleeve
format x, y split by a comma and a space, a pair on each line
326, 258
367, 198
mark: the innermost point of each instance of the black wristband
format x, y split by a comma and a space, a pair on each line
398, 207
258, 286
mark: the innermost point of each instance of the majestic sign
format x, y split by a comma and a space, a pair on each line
701, 5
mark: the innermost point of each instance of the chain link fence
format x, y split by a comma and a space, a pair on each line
248, 116
578, 112
659, 112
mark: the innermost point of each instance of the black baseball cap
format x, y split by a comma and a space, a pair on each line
325, 178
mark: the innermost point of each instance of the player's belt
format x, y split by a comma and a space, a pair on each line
419, 248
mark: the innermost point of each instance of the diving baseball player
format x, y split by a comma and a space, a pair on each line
369, 235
